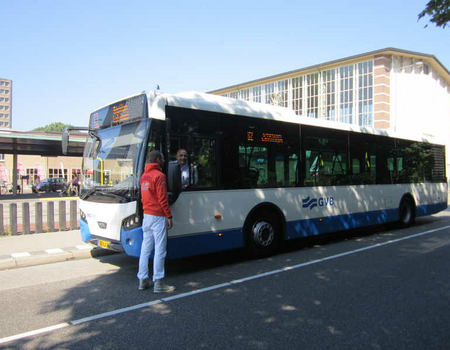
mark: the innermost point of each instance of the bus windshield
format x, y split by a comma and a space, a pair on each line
110, 170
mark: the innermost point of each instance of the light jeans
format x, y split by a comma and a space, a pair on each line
155, 235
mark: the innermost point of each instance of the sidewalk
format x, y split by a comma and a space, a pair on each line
45, 248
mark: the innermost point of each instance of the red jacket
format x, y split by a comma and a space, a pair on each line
154, 192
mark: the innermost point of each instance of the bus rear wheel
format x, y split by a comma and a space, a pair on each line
406, 211
263, 235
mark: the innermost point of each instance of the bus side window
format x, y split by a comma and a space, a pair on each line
203, 166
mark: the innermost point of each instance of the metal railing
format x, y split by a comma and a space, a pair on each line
16, 222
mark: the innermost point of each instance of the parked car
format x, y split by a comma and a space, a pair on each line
53, 184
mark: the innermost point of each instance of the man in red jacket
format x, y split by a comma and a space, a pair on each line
157, 219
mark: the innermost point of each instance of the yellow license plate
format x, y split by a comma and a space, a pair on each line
103, 244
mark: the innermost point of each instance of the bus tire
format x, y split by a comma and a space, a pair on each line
406, 212
263, 234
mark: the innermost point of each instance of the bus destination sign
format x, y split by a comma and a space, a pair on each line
119, 113
264, 137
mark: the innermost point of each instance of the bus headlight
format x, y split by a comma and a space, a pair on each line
131, 222
82, 216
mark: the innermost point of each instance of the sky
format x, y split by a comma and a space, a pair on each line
69, 58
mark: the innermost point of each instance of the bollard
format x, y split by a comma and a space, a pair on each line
62, 216
38, 218
50, 216
13, 218
73, 215
26, 218
2, 226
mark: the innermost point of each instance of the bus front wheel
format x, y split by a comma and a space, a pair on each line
406, 212
263, 236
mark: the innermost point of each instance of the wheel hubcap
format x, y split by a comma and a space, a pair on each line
263, 233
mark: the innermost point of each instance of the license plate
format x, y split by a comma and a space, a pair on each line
103, 244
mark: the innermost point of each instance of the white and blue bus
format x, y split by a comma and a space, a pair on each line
260, 174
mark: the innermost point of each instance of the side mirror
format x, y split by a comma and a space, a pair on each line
66, 134
174, 186
65, 140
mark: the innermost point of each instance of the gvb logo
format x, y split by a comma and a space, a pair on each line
314, 202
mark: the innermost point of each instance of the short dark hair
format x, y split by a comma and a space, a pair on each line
154, 155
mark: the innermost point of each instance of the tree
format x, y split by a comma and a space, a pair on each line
439, 10
52, 127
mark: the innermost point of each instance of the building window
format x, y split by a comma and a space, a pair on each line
282, 95
297, 95
257, 94
234, 94
57, 172
365, 93
269, 90
32, 174
6, 99
346, 94
7, 83
245, 94
329, 80
312, 83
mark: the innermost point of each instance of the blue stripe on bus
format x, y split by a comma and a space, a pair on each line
178, 247
318, 226
132, 241
423, 210
85, 231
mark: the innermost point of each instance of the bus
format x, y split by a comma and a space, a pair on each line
263, 174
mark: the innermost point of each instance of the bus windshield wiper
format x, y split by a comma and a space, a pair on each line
98, 192
89, 193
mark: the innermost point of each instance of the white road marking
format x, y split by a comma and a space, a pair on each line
207, 289
54, 251
36, 332
20, 255
84, 247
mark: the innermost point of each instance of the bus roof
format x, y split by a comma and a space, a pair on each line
219, 104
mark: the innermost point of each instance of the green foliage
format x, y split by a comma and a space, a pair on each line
439, 11
52, 127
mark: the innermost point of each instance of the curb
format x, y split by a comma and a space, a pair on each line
45, 257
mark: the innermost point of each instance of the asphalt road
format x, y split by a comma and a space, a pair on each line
371, 289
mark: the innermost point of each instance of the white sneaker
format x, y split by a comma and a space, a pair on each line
161, 287
144, 284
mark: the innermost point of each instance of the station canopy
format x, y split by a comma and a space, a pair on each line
42, 143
